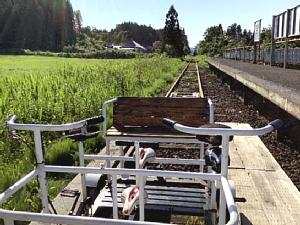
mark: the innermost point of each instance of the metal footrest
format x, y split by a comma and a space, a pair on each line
184, 199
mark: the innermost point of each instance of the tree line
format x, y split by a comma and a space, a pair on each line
36, 25
216, 39
53, 26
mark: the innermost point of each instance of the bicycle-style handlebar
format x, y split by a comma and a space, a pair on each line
221, 131
62, 127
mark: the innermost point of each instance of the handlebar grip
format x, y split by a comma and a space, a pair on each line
169, 122
95, 120
277, 123
90, 129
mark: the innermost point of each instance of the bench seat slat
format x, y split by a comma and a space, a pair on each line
122, 121
161, 101
160, 111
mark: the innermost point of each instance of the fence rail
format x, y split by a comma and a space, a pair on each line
264, 55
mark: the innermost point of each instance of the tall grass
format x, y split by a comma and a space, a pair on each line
48, 91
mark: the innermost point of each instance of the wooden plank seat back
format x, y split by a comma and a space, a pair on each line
145, 114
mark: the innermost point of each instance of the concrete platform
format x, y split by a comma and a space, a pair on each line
271, 196
278, 85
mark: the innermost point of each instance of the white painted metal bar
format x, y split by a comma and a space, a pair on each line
137, 162
222, 209
104, 127
104, 114
107, 152
222, 131
230, 202
201, 157
224, 173
213, 196
114, 196
19, 184
156, 160
213, 204
42, 127
224, 159
65, 219
142, 198
117, 171
42, 175
82, 175
180, 161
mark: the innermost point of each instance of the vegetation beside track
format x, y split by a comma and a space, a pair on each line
51, 90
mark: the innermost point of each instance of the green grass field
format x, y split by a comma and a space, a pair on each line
53, 90
16, 65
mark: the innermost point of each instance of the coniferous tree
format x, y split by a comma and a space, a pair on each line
36, 25
172, 35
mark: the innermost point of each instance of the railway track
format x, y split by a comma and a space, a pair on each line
188, 84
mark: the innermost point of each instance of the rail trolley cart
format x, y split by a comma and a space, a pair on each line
135, 195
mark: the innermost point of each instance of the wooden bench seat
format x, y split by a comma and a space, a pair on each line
140, 118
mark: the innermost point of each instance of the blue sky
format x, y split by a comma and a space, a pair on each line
195, 16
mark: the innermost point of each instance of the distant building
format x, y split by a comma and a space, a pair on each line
133, 46
112, 47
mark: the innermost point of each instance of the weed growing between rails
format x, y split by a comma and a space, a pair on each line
65, 94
